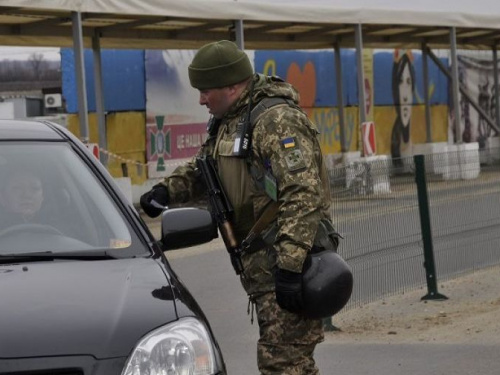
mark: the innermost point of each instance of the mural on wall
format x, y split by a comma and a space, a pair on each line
387, 111
403, 87
383, 65
477, 77
175, 122
313, 74
304, 80
385, 117
327, 122
394, 114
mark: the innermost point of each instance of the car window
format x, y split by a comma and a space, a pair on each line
50, 200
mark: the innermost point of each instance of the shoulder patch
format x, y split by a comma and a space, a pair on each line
288, 143
295, 160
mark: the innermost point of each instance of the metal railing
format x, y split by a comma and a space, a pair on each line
388, 228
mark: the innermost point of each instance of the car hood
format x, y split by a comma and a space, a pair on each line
98, 308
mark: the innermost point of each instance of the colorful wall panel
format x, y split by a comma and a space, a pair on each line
385, 118
327, 122
126, 137
122, 79
313, 73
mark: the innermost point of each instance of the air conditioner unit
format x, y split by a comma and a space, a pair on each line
53, 100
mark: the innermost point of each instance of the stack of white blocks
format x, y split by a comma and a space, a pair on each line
453, 162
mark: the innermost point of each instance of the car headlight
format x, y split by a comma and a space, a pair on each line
180, 348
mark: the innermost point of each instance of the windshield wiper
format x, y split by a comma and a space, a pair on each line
48, 255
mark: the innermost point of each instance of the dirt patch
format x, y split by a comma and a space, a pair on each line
471, 314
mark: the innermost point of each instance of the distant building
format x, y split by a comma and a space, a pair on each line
30, 88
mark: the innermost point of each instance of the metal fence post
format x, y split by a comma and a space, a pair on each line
425, 224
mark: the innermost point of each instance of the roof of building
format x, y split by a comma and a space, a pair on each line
276, 24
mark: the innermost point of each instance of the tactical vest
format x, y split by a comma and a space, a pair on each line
242, 181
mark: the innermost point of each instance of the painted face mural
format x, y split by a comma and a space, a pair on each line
403, 85
405, 95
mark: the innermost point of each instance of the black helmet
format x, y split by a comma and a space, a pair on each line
326, 284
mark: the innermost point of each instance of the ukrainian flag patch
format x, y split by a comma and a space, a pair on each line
288, 143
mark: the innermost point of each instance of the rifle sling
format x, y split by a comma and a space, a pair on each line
264, 105
254, 241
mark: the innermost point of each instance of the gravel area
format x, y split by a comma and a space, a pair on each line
471, 315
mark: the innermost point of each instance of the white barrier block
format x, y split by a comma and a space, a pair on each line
434, 164
348, 160
450, 167
490, 154
381, 182
350, 156
469, 160
461, 161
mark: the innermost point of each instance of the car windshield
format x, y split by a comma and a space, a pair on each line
50, 200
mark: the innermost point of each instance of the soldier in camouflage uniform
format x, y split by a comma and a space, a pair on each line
284, 165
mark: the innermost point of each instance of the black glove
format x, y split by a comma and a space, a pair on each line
289, 290
154, 201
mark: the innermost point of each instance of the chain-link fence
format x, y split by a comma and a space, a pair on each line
378, 208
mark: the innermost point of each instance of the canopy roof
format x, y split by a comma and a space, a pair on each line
268, 24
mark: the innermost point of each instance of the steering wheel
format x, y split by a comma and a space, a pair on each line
30, 227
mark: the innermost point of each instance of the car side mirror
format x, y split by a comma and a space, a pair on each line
184, 227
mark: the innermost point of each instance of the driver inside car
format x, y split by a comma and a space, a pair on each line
21, 198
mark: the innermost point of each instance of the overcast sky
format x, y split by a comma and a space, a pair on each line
23, 53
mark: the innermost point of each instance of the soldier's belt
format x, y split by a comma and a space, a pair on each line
327, 238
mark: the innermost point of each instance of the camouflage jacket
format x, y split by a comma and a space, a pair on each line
285, 157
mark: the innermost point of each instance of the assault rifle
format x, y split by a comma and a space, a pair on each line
221, 208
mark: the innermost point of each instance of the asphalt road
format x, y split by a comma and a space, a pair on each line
207, 273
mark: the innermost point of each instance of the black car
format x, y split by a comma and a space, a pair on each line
84, 286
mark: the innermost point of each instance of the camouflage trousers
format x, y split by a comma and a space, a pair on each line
287, 341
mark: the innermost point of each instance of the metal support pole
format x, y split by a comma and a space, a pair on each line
239, 32
99, 97
455, 84
80, 75
425, 223
425, 68
497, 89
340, 97
361, 81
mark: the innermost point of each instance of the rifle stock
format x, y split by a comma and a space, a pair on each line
221, 208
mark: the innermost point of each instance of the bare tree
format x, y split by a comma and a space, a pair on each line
37, 63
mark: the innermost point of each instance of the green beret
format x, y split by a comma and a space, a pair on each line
219, 64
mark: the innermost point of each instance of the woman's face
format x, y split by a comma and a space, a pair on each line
405, 95
23, 195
